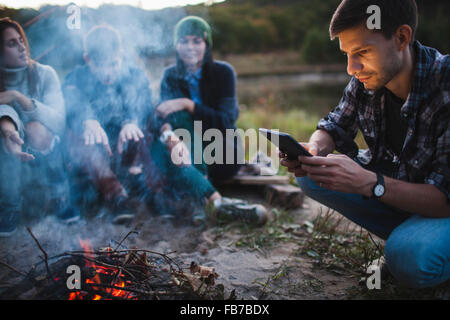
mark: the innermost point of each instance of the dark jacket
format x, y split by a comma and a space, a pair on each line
219, 108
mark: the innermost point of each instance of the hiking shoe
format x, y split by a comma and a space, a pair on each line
235, 209
8, 223
121, 210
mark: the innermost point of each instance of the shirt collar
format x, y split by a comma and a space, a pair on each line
197, 75
425, 60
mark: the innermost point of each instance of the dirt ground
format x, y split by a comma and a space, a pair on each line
267, 272
263, 273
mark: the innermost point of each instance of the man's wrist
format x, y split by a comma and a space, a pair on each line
371, 181
190, 106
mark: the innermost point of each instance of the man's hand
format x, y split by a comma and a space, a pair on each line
12, 141
10, 96
129, 131
7, 97
174, 105
339, 173
94, 134
295, 166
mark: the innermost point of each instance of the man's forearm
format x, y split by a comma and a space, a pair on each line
423, 199
324, 142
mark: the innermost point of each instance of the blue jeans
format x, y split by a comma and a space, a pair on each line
36, 188
417, 249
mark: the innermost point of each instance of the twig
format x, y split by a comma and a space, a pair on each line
93, 285
43, 251
12, 268
120, 243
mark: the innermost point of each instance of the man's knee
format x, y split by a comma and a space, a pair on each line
413, 260
38, 136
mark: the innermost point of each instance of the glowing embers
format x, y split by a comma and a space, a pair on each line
106, 279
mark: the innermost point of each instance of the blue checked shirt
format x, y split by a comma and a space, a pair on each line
425, 154
193, 79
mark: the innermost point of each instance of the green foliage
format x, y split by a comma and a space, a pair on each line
243, 26
317, 47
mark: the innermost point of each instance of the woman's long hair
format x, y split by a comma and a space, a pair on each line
6, 23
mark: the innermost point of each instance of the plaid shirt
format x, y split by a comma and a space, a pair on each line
425, 154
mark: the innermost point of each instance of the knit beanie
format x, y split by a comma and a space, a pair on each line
193, 26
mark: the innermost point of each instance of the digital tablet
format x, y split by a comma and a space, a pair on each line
285, 143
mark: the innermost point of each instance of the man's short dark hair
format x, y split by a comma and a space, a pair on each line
102, 41
394, 13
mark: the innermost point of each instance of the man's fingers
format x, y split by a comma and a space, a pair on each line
108, 149
120, 146
317, 161
14, 137
135, 136
318, 170
140, 133
24, 157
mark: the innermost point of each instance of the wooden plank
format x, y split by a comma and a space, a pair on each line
285, 196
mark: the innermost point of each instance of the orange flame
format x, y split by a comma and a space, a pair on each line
88, 253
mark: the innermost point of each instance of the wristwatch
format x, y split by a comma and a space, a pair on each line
165, 136
379, 188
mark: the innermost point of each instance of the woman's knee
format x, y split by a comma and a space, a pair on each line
38, 136
413, 260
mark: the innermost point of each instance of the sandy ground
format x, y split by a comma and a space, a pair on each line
276, 272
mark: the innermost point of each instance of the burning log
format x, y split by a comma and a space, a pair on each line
108, 273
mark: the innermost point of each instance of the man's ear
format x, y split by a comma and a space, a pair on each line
403, 36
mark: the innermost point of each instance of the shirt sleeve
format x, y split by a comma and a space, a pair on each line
440, 174
225, 113
341, 122
78, 107
49, 110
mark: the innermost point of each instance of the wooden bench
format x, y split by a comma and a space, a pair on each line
277, 190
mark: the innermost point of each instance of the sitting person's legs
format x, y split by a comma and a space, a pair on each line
418, 252
371, 214
45, 180
10, 197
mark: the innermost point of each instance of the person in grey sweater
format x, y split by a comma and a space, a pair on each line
32, 120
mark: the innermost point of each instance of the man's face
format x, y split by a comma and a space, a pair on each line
372, 58
107, 70
14, 51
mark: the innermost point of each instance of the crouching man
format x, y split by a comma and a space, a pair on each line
399, 98
106, 103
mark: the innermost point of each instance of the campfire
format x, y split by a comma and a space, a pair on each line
116, 273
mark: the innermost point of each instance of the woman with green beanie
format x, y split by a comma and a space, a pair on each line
197, 88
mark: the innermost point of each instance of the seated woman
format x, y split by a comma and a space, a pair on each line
32, 120
200, 89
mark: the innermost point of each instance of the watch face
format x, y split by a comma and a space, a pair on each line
379, 190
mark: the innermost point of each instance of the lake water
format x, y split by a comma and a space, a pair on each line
316, 93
